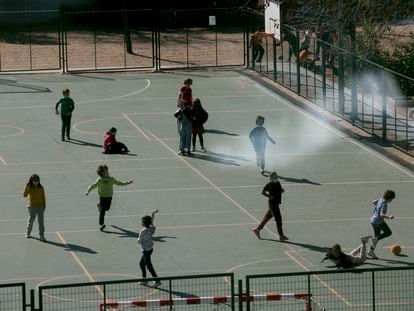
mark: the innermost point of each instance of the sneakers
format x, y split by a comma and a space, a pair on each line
42, 238
365, 239
144, 283
157, 284
27, 236
102, 228
283, 238
256, 233
372, 254
203, 149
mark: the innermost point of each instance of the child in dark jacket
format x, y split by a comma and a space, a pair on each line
200, 116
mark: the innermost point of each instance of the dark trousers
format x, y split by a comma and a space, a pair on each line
66, 125
258, 52
273, 211
381, 231
145, 262
118, 147
200, 136
103, 206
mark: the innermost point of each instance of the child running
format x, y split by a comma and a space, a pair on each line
105, 185
66, 107
355, 258
258, 137
378, 216
147, 245
37, 205
273, 190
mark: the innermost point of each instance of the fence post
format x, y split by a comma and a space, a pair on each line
384, 105
373, 290
323, 74
296, 52
32, 300
274, 59
240, 294
247, 295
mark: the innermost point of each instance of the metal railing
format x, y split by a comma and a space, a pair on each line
13, 297
197, 292
374, 98
356, 289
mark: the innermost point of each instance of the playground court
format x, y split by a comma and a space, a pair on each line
208, 203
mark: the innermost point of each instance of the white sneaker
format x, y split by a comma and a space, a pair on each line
143, 283
372, 254
157, 284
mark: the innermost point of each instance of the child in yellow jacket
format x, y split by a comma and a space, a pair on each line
37, 205
105, 185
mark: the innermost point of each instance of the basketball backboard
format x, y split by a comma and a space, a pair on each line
273, 18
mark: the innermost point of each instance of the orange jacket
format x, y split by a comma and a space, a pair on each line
36, 196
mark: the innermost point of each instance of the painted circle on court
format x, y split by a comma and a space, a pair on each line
10, 130
43, 283
78, 125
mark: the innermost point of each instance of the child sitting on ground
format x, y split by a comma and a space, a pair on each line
111, 145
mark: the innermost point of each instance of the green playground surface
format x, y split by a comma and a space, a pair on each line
208, 203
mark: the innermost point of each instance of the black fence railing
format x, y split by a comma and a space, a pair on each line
13, 297
86, 40
30, 41
385, 289
197, 292
361, 289
372, 97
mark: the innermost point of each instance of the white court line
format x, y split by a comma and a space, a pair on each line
81, 265
82, 102
136, 126
294, 184
2, 160
305, 113
91, 161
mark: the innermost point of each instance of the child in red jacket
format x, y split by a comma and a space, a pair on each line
111, 145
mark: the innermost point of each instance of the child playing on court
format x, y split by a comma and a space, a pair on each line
105, 185
354, 258
258, 137
37, 205
200, 116
273, 190
66, 107
378, 216
111, 145
147, 245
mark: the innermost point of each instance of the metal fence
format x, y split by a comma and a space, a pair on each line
29, 41
85, 40
372, 97
200, 292
361, 289
13, 297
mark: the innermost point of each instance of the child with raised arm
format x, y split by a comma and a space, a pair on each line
37, 205
378, 216
259, 137
105, 185
147, 245
67, 105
